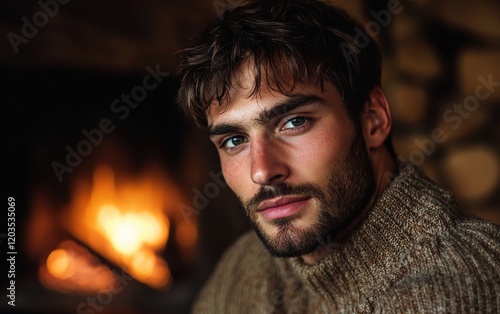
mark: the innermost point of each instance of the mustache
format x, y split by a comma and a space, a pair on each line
280, 190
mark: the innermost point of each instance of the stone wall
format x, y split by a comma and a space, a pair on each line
442, 79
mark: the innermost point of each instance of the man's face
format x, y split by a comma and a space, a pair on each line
297, 163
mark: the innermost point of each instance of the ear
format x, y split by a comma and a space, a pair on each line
376, 119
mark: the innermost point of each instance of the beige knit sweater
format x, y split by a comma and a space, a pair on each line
414, 253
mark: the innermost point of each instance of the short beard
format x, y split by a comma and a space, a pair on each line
349, 190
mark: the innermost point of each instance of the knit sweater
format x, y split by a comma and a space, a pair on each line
413, 253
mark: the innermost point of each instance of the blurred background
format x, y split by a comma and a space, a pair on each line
119, 203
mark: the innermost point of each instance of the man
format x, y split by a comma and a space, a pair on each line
294, 105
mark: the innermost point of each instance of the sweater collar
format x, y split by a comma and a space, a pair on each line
375, 254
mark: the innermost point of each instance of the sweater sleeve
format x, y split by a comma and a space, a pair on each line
241, 281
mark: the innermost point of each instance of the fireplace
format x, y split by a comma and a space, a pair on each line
125, 219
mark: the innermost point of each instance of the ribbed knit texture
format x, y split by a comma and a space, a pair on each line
414, 253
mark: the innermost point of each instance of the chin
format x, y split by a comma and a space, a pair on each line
287, 240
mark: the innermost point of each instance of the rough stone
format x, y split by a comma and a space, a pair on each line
408, 103
480, 17
416, 56
404, 26
473, 64
473, 172
458, 122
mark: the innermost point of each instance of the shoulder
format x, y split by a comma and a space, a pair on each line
454, 271
239, 280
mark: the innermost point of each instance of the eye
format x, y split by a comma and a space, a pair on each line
232, 142
294, 123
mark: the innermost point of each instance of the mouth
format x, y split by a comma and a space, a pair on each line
282, 207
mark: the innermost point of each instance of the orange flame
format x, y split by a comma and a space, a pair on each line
124, 221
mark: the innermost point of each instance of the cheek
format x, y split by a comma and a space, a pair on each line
235, 174
315, 158
321, 151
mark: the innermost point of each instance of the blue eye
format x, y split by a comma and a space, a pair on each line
232, 142
295, 122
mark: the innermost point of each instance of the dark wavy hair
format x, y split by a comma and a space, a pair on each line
314, 42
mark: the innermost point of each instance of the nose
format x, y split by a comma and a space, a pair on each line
268, 162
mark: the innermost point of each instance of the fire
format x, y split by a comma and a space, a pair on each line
71, 267
131, 231
126, 221
58, 264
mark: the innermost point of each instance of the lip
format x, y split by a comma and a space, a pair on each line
282, 207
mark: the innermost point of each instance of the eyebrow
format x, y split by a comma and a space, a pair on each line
222, 129
267, 115
292, 103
